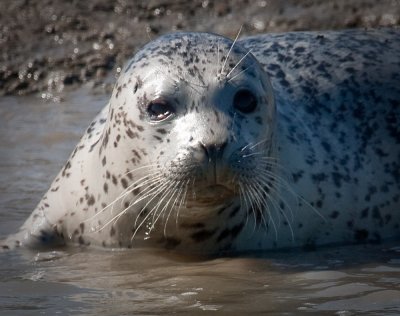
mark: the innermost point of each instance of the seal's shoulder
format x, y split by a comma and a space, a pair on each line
328, 67
355, 39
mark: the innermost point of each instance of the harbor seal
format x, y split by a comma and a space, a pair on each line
210, 145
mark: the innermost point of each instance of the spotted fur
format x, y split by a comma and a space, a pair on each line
317, 161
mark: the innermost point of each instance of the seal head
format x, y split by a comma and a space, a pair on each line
204, 110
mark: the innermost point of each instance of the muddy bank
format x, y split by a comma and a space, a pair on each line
48, 45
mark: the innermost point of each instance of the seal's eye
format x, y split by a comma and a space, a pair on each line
245, 101
159, 110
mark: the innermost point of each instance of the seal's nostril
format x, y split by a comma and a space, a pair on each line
213, 151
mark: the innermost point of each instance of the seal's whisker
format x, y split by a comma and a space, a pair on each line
252, 154
153, 181
239, 73
152, 197
273, 167
168, 192
273, 186
272, 180
251, 146
183, 199
232, 129
262, 204
249, 205
164, 186
237, 64
122, 195
269, 180
126, 191
173, 207
159, 209
288, 187
218, 61
288, 222
230, 50
263, 141
111, 204
140, 168
172, 191
276, 205
115, 218
132, 203
257, 202
138, 226
270, 160
261, 194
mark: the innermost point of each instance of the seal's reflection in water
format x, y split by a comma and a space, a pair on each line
33, 147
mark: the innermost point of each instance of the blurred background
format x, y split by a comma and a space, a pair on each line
48, 45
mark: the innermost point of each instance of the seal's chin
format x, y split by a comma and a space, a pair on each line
211, 195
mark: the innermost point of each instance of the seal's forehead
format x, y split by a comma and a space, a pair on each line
178, 43
189, 48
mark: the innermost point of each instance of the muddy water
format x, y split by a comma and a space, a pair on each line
349, 280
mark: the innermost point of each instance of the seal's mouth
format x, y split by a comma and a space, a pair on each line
211, 195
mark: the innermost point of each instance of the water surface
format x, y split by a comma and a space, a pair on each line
36, 137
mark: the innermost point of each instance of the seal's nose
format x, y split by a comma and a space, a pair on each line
213, 152
213, 159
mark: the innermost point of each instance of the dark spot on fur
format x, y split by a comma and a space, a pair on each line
66, 167
82, 227
171, 243
310, 245
91, 200
364, 213
237, 229
193, 226
124, 183
224, 234
361, 235
161, 131
334, 214
234, 211
202, 235
114, 180
131, 134
81, 240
